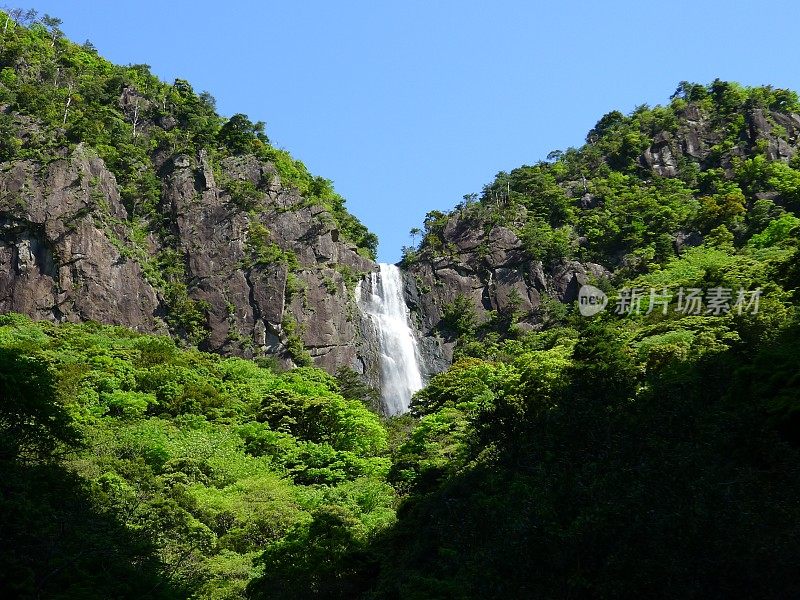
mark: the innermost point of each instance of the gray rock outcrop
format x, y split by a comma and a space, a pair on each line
62, 246
696, 136
489, 266
68, 253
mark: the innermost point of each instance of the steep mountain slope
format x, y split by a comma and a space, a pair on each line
717, 164
130, 201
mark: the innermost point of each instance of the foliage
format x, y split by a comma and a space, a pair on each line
33, 425
602, 203
244, 194
460, 316
126, 115
264, 251
351, 385
241, 136
544, 243
294, 342
778, 230
190, 464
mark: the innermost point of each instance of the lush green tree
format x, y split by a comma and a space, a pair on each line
460, 316
241, 136
323, 559
351, 385
32, 422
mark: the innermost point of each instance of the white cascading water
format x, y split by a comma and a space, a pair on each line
386, 307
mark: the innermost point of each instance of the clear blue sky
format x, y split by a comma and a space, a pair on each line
407, 106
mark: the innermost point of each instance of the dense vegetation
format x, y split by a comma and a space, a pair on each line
649, 455
173, 469
641, 455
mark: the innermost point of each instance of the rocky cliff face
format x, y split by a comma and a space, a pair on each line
249, 299
61, 243
697, 135
69, 253
489, 266
239, 262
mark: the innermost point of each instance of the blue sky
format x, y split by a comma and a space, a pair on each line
407, 106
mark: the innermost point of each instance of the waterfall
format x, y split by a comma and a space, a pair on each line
385, 306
